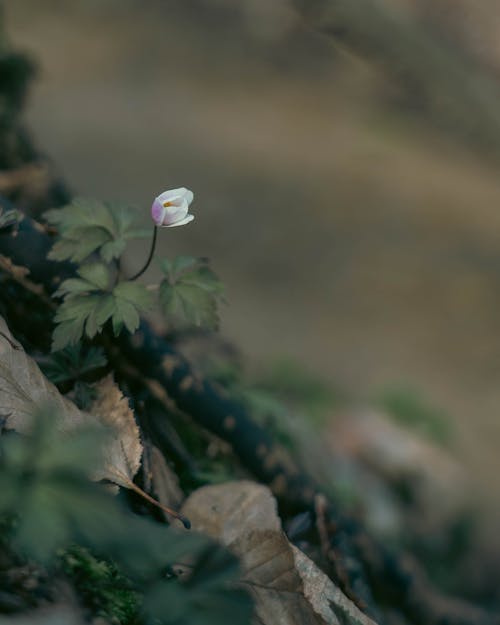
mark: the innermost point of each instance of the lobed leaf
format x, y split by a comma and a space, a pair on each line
87, 306
190, 293
130, 299
72, 362
88, 226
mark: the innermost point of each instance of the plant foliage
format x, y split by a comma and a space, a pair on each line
53, 505
90, 301
190, 292
72, 363
89, 226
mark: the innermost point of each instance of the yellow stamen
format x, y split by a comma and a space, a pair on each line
167, 204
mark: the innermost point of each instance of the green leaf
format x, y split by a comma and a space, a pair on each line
135, 293
68, 332
79, 243
191, 292
71, 317
95, 273
45, 488
125, 314
207, 597
72, 363
95, 277
87, 307
98, 316
80, 213
73, 286
131, 298
88, 226
113, 249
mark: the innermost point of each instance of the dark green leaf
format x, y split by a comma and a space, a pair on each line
72, 362
113, 249
98, 316
131, 298
95, 273
207, 596
191, 292
74, 286
88, 226
77, 244
134, 293
71, 317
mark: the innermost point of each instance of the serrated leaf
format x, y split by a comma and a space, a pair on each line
72, 363
71, 317
191, 292
86, 308
113, 249
67, 333
73, 286
112, 408
135, 293
77, 306
79, 243
131, 298
81, 212
184, 263
88, 226
95, 273
99, 315
23, 388
125, 314
123, 216
287, 586
94, 277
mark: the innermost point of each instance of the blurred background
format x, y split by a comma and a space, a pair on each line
347, 190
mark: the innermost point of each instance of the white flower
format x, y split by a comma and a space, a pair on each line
171, 208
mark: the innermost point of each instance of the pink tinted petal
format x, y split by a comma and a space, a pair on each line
171, 208
157, 212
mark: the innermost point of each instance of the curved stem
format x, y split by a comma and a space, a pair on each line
150, 257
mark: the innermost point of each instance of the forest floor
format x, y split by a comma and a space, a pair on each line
363, 247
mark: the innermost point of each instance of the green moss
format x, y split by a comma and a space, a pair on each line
101, 587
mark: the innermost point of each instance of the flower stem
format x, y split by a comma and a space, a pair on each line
150, 257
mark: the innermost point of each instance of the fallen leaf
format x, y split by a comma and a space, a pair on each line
287, 586
165, 482
124, 450
23, 388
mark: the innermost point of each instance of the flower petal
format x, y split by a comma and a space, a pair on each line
171, 208
183, 222
158, 212
173, 195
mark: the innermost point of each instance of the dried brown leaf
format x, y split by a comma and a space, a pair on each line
23, 388
124, 449
165, 482
287, 586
